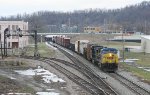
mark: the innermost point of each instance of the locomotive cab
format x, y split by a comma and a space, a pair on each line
95, 52
108, 59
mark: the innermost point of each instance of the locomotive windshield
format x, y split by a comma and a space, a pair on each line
109, 50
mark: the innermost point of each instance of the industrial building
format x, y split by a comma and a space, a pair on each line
90, 29
145, 43
14, 41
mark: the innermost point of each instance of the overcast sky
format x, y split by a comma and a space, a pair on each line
13, 7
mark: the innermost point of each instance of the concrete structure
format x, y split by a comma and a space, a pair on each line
127, 38
133, 49
14, 41
145, 43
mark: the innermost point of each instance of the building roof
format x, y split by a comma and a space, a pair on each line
146, 37
12, 22
131, 37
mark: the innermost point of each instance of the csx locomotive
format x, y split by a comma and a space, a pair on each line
108, 59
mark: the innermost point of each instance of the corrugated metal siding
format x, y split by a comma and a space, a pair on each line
145, 44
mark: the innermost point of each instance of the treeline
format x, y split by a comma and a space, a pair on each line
130, 18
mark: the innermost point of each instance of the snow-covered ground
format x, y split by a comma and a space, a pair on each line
47, 93
47, 76
129, 60
145, 68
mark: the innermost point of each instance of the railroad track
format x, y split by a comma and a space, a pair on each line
130, 84
93, 89
106, 90
96, 79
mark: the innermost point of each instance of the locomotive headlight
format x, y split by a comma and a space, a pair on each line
110, 54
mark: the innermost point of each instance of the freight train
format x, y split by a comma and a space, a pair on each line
105, 58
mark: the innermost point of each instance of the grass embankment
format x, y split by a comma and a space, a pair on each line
142, 74
144, 61
42, 49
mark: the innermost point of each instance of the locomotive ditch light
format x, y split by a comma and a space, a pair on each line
110, 54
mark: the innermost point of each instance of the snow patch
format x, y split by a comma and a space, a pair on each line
50, 46
26, 72
47, 93
129, 60
140, 67
133, 59
53, 78
47, 76
147, 70
17, 94
12, 78
49, 89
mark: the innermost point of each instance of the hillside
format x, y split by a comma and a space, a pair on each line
131, 18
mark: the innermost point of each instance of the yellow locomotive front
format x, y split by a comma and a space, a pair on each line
108, 59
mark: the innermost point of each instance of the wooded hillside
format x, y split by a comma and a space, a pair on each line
131, 18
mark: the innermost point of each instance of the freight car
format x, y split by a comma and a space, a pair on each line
61, 40
80, 45
66, 42
49, 38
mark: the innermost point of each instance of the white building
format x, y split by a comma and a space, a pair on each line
145, 43
14, 41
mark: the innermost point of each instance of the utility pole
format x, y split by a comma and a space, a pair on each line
69, 26
145, 26
1, 49
36, 54
104, 25
5, 46
19, 30
123, 45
